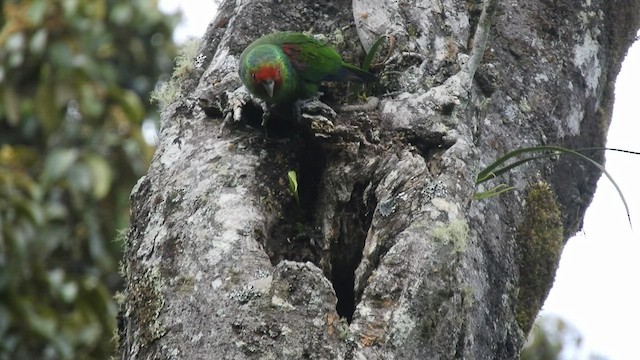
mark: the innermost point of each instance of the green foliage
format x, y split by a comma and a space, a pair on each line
547, 339
366, 65
500, 167
293, 184
550, 337
75, 78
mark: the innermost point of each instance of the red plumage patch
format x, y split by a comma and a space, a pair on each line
293, 53
267, 72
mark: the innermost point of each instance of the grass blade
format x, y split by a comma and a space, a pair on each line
372, 53
496, 168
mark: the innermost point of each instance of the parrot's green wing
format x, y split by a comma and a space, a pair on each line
315, 61
311, 60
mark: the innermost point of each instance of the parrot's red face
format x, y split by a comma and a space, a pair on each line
267, 72
268, 77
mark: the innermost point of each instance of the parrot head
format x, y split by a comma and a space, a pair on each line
266, 71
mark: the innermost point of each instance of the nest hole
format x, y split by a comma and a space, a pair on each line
346, 253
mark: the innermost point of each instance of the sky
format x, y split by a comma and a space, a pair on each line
597, 286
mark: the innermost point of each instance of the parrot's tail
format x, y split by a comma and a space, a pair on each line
351, 73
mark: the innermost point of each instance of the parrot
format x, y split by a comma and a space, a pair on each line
288, 66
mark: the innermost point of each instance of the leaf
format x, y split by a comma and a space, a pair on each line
609, 149
42, 324
56, 210
5, 319
59, 55
101, 174
372, 53
131, 105
45, 108
92, 103
121, 14
293, 184
12, 105
80, 182
68, 292
38, 42
31, 210
494, 168
58, 163
502, 188
37, 11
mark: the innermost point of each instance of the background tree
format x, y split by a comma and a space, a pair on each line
385, 255
552, 336
75, 78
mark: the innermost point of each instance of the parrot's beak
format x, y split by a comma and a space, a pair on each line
269, 85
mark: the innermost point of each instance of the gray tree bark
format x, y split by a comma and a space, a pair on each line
386, 255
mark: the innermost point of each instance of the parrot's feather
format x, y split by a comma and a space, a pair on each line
349, 72
287, 66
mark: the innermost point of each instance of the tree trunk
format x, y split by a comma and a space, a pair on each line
385, 255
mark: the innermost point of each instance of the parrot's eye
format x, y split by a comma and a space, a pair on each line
253, 76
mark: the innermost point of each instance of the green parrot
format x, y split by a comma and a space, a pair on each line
288, 66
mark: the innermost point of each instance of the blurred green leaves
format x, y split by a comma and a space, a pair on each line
75, 78
553, 338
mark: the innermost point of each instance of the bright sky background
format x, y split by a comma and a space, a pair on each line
597, 287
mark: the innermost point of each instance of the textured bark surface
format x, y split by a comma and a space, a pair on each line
386, 255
